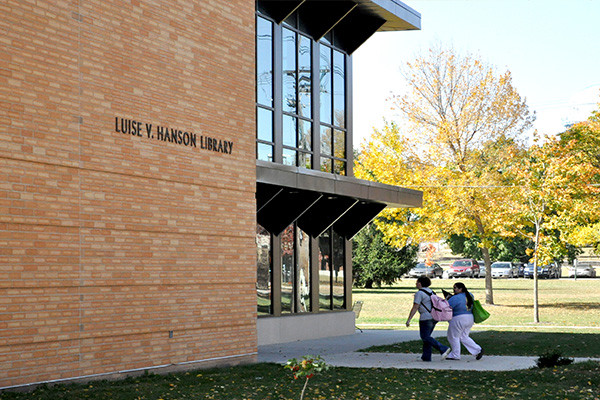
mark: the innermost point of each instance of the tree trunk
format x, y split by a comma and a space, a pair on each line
536, 310
489, 291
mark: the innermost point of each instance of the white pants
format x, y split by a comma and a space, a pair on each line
458, 332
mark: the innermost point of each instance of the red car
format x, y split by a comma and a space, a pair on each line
464, 269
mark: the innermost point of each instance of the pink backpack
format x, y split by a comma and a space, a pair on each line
440, 310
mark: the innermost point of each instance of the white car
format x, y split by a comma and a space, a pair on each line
582, 271
504, 269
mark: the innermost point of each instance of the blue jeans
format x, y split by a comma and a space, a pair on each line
425, 329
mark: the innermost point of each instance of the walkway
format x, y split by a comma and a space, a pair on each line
341, 351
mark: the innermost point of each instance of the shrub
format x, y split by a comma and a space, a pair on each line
552, 359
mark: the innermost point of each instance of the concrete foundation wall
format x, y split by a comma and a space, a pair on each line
305, 326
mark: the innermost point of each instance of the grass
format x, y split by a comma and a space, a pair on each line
517, 344
271, 381
565, 304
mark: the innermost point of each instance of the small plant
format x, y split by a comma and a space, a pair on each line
306, 368
552, 359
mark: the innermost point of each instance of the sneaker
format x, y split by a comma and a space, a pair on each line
452, 359
478, 356
445, 354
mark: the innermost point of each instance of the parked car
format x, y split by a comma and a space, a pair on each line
582, 271
481, 268
548, 271
521, 269
421, 269
504, 269
464, 268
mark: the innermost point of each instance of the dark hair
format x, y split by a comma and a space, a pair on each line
468, 295
424, 281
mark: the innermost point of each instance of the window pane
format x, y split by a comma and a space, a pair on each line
339, 143
325, 272
305, 160
289, 70
289, 131
339, 167
339, 89
338, 271
264, 124
326, 141
326, 164
287, 268
304, 135
303, 280
289, 157
325, 84
264, 62
304, 76
264, 152
263, 271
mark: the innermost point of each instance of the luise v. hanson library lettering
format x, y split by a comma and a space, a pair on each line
172, 135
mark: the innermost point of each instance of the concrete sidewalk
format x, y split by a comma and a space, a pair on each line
341, 351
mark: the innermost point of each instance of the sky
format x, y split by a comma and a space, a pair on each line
551, 48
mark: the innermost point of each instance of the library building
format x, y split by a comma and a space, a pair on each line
176, 182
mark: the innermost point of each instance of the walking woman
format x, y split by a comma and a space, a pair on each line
461, 323
422, 303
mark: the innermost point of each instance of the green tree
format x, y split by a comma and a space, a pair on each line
503, 248
374, 262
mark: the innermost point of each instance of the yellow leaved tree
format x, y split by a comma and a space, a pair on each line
556, 195
461, 123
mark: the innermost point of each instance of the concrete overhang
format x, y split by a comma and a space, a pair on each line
353, 21
319, 200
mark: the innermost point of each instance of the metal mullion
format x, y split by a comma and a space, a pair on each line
278, 94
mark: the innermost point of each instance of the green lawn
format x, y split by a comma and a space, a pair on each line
271, 381
564, 303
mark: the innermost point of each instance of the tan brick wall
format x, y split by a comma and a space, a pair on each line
109, 241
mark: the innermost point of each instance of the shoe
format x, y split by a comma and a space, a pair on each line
445, 354
478, 356
452, 359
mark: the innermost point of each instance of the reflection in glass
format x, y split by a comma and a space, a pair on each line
304, 76
264, 152
339, 167
339, 143
289, 157
305, 160
289, 71
263, 271
339, 89
325, 272
303, 277
325, 84
304, 134
287, 268
264, 62
264, 124
326, 148
338, 271
326, 164
289, 131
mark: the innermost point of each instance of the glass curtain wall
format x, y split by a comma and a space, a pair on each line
301, 121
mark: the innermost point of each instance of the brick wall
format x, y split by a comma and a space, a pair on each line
112, 242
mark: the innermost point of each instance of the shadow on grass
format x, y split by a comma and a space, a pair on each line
568, 306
